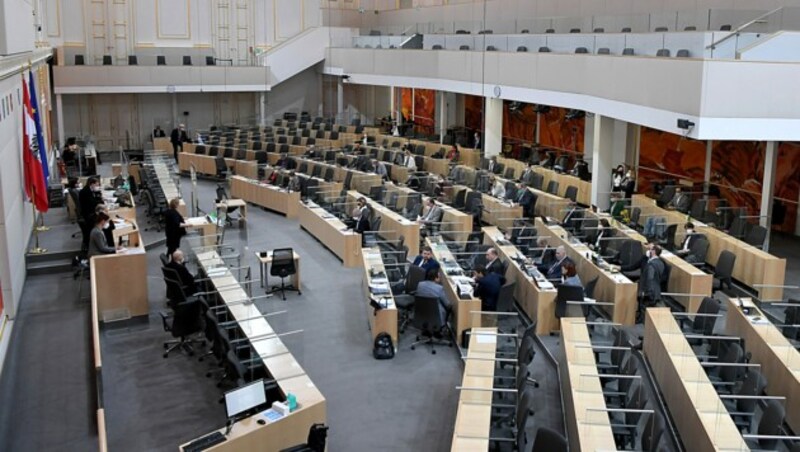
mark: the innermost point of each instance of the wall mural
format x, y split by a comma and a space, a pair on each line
737, 170
422, 102
557, 132
473, 113
519, 123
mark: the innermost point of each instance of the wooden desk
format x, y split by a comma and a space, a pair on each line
474, 414
684, 277
437, 166
162, 144
237, 203
127, 270
383, 320
279, 362
393, 225
463, 308
753, 266
701, 419
332, 233
611, 287
500, 213
588, 427
779, 360
565, 180
538, 298
207, 229
265, 195
264, 263
203, 164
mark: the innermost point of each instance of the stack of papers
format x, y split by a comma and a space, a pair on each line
379, 288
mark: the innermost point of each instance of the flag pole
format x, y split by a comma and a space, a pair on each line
36, 249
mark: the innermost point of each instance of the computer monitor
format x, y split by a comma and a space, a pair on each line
245, 398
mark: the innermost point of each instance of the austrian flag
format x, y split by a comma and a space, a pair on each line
35, 185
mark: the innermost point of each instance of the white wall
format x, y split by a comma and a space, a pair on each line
16, 27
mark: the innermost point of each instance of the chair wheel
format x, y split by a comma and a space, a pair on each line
191, 353
413, 347
219, 385
208, 374
166, 346
165, 355
433, 351
200, 359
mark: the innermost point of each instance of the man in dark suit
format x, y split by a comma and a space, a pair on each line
487, 288
177, 138
89, 198
186, 279
158, 132
649, 290
493, 263
553, 272
525, 199
681, 201
174, 226
688, 240
527, 175
426, 260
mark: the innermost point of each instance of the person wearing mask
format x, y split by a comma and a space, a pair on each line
688, 240
365, 139
524, 199
454, 155
487, 288
498, 189
360, 221
97, 239
380, 169
493, 263
569, 275
108, 230
553, 272
543, 255
408, 161
174, 226
492, 166
432, 288
185, 277
527, 174
581, 169
617, 205
476, 140
177, 138
158, 132
649, 289
601, 240
70, 154
426, 260
89, 198
617, 175
628, 184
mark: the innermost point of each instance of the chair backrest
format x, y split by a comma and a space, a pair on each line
549, 440
704, 324
544, 49
161, 60
187, 60
210, 61
464, 47
505, 299
426, 314
604, 51
726, 27
522, 49
437, 47
699, 249
491, 48
133, 60
172, 280
414, 276
653, 431
79, 60
683, 53
756, 236
571, 193
282, 262
567, 293
771, 424
662, 53
628, 50
581, 50
725, 263
661, 29
589, 289
753, 385
552, 187
574, 30
107, 60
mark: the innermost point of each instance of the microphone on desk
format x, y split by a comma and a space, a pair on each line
228, 427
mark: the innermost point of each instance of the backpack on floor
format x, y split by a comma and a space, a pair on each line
383, 349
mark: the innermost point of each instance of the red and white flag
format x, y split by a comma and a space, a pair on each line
35, 186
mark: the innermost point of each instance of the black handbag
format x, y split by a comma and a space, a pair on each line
383, 348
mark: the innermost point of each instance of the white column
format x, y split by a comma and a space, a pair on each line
768, 188
620, 142
60, 120
262, 108
707, 173
588, 135
493, 132
392, 102
339, 97
602, 160
442, 116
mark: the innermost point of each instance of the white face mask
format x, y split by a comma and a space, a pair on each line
649, 254
690, 231
105, 225
96, 188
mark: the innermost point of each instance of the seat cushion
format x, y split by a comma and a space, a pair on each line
404, 301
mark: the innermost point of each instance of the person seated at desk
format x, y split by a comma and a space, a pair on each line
511, 192
527, 174
680, 202
600, 242
581, 169
432, 288
158, 132
97, 240
569, 275
493, 166
364, 139
542, 253
70, 153
649, 289
453, 154
688, 240
618, 204
360, 221
408, 161
573, 212
311, 152
433, 214
283, 161
185, 277
294, 182
553, 270
493, 263
108, 229
498, 189
426, 260
174, 226
487, 288
380, 169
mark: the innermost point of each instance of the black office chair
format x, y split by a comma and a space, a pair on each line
552, 187
756, 236
210, 61
549, 440
107, 60
187, 60
283, 267
405, 300
698, 251
723, 272
79, 60
568, 295
668, 240
221, 167
161, 60
571, 193
133, 60
742, 408
702, 324
427, 319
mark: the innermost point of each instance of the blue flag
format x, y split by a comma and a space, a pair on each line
39, 137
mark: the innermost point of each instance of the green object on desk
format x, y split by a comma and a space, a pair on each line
292, 401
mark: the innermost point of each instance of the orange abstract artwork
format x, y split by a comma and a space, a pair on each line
561, 133
419, 105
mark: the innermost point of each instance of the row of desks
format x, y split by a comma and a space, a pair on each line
564, 180
474, 413
753, 267
393, 225
293, 428
331, 232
